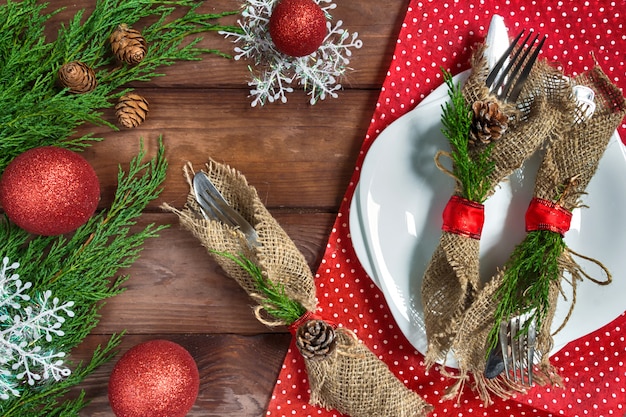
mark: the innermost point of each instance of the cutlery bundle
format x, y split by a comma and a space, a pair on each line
470, 320
343, 373
451, 280
542, 264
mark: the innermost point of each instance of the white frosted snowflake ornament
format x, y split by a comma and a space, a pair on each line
27, 326
275, 72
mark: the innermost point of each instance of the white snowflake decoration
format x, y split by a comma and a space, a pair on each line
318, 73
24, 322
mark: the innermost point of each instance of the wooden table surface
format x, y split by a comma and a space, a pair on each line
299, 157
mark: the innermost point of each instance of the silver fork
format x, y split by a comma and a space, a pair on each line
518, 348
214, 206
508, 76
516, 351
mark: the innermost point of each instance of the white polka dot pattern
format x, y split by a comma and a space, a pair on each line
440, 33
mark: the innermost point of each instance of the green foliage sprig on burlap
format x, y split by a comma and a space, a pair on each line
271, 296
528, 276
471, 167
532, 269
82, 268
36, 111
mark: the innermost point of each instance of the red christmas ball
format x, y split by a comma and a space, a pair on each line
157, 378
49, 191
297, 27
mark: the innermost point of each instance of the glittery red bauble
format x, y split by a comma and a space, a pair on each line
297, 27
158, 378
49, 191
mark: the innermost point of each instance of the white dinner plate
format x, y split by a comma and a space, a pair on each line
395, 223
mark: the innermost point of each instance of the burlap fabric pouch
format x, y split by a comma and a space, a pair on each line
571, 159
451, 279
350, 379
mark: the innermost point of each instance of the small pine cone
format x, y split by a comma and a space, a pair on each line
78, 77
131, 110
488, 122
128, 45
315, 339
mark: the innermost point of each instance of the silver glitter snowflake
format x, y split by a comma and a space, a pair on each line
26, 324
274, 73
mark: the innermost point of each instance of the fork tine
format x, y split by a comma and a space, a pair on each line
532, 335
527, 68
504, 346
516, 63
514, 324
494, 72
513, 60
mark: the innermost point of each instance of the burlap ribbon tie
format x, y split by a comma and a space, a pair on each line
569, 163
343, 374
451, 280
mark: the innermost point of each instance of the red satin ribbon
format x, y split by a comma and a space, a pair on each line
547, 215
293, 327
463, 217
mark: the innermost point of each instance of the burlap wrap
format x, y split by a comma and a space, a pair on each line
355, 382
451, 279
573, 152
351, 380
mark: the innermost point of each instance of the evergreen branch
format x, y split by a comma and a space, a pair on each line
36, 112
45, 403
528, 275
472, 169
82, 269
274, 300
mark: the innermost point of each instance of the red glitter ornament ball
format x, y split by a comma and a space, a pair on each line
49, 191
157, 378
298, 27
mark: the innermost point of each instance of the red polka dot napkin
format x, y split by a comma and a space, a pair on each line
440, 33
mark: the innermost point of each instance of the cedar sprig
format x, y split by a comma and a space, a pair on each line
83, 268
44, 403
471, 167
36, 111
528, 275
272, 295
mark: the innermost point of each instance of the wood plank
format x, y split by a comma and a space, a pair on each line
295, 155
237, 373
176, 287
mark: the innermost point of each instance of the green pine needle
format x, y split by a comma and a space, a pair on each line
83, 268
45, 402
36, 112
528, 276
275, 302
472, 169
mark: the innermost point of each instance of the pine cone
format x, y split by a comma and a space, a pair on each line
128, 45
131, 110
488, 122
315, 339
78, 77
